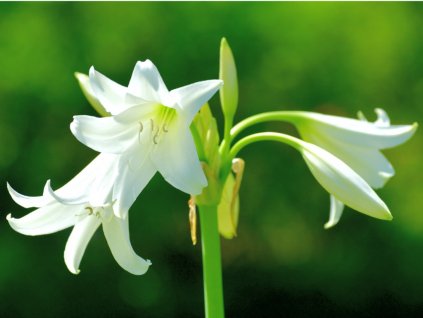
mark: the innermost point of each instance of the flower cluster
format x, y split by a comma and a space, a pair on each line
145, 128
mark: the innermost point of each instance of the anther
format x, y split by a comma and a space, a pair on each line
152, 124
155, 138
165, 128
90, 210
140, 131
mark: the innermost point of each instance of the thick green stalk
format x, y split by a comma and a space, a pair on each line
212, 268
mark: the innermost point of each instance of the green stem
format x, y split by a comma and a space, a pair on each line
226, 142
289, 116
267, 136
212, 269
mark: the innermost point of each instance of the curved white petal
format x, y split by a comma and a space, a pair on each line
27, 201
135, 171
382, 118
190, 98
110, 94
84, 83
104, 134
78, 189
78, 241
136, 114
51, 218
336, 208
147, 83
176, 158
116, 231
342, 182
369, 163
357, 132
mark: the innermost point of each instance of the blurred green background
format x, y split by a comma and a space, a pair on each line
335, 58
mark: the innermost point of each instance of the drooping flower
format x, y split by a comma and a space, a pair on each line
149, 128
342, 182
357, 143
84, 203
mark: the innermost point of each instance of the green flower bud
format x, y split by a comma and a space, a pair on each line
227, 73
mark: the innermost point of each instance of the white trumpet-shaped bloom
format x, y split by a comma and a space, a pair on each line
84, 203
343, 183
149, 128
357, 143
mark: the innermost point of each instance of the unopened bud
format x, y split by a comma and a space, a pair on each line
227, 73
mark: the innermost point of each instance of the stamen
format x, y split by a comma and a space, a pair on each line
140, 131
165, 128
90, 210
155, 138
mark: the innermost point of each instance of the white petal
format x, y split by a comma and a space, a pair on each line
190, 98
116, 232
27, 201
84, 83
147, 83
51, 218
79, 188
336, 208
104, 134
382, 118
110, 94
342, 182
357, 132
176, 158
135, 171
92, 185
369, 163
78, 241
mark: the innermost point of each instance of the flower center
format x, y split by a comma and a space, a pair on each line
159, 124
101, 212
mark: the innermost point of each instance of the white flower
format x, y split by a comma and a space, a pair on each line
84, 203
343, 183
149, 128
357, 143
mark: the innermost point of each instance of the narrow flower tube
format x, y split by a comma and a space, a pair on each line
84, 203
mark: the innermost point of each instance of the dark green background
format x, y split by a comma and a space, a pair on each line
331, 57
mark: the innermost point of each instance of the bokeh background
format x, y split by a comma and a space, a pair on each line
334, 58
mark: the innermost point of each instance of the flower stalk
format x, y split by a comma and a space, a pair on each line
212, 269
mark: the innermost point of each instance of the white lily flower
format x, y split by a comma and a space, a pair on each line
149, 128
343, 183
357, 143
84, 203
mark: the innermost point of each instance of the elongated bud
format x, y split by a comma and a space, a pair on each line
228, 209
84, 83
227, 73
